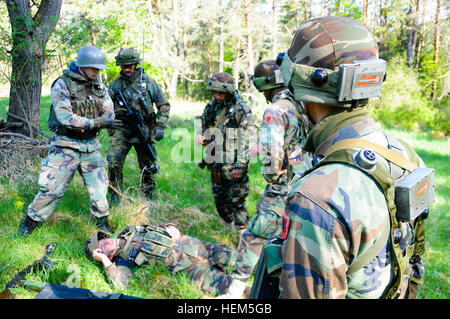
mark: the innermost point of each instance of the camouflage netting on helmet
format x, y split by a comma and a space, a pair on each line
127, 56
221, 82
265, 78
325, 43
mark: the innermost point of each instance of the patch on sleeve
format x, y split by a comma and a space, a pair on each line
268, 119
285, 226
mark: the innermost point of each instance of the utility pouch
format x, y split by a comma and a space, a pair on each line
217, 175
414, 194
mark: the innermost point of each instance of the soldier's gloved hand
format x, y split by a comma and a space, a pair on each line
107, 122
159, 134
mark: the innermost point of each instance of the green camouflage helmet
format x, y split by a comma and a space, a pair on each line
92, 57
310, 66
127, 56
221, 82
267, 76
92, 242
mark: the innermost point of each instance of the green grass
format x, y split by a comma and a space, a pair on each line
184, 196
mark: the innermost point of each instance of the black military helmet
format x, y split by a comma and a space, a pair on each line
91, 56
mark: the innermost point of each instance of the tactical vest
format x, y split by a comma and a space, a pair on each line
136, 94
86, 99
209, 120
146, 243
407, 263
142, 243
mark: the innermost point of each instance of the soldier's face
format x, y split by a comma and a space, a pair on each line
128, 70
91, 73
109, 246
219, 96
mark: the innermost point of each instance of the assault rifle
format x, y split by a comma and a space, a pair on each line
135, 121
39, 265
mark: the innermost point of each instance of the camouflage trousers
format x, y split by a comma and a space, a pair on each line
208, 267
117, 153
229, 197
264, 225
58, 170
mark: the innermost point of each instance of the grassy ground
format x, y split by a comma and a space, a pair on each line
183, 195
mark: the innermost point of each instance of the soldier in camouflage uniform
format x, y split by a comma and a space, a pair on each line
343, 208
205, 263
141, 92
227, 129
282, 134
81, 107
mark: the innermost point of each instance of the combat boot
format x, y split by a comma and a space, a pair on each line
103, 224
27, 227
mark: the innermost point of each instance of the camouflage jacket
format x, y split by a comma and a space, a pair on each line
234, 120
282, 135
140, 100
72, 108
187, 253
334, 214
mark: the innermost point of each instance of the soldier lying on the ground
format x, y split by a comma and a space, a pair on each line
205, 263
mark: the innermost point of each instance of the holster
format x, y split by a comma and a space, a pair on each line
216, 172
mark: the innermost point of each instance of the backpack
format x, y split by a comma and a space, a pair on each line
408, 199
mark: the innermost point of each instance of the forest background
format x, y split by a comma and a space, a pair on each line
183, 43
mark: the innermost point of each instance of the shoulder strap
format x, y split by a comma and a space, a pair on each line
219, 120
388, 154
342, 154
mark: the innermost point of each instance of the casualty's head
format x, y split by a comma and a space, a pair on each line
103, 241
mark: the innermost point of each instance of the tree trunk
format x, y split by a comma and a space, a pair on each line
412, 34
275, 28
237, 63
30, 35
374, 26
305, 10
437, 35
422, 32
221, 44
365, 6
250, 57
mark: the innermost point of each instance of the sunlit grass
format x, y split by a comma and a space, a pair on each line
183, 195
